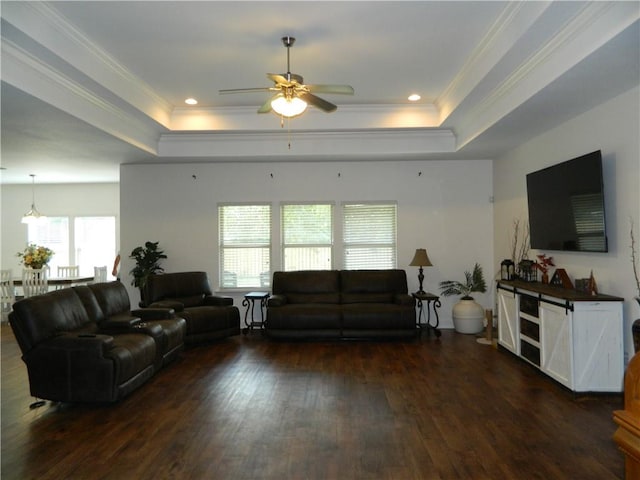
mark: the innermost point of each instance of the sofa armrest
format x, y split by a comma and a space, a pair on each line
119, 322
217, 301
403, 299
154, 313
168, 304
276, 301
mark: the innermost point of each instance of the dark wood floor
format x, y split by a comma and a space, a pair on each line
250, 408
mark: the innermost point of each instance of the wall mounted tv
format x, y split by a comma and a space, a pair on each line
566, 206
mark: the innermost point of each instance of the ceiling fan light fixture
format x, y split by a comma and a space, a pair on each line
288, 107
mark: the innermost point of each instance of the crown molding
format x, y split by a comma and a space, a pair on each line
513, 22
350, 117
43, 24
373, 142
591, 27
28, 73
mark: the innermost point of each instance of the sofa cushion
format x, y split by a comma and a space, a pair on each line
306, 282
112, 298
206, 319
367, 298
43, 316
310, 316
293, 298
378, 316
177, 286
373, 281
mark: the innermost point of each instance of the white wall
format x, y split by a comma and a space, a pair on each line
613, 128
443, 206
52, 200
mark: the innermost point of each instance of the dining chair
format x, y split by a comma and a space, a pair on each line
66, 272
69, 271
99, 274
35, 281
7, 293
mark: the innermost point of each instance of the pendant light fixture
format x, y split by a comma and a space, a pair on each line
33, 215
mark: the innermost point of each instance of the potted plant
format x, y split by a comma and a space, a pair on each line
468, 315
147, 260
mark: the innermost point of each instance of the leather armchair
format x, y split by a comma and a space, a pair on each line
208, 316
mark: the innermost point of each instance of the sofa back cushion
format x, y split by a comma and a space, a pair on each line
189, 288
38, 318
90, 302
308, 286
112, 297
372, 286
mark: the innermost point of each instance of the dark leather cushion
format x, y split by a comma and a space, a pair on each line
367, 297
313, 298
206, 319
378, 316
306, 282
35, 319
373, 281
177, 286
304, 317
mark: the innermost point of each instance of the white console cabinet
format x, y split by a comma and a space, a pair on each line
575, 338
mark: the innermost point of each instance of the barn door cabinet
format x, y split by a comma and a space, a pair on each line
574, 338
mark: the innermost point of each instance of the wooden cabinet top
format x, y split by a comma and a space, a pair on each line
567, 294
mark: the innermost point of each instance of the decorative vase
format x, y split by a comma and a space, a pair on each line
545, 277
468, 316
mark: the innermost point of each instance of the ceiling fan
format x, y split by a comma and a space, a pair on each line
292, 95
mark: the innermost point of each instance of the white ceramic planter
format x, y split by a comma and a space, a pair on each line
468, 317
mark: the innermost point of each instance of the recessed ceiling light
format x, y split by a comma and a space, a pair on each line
414, 97
191, 101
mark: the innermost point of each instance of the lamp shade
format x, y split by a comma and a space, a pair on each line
288, 106
421, 259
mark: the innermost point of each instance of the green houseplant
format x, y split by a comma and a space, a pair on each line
468, 315
147, 260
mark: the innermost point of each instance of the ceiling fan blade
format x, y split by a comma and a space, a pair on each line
266, 106
340, 89
282, 78
318, 102
244, 90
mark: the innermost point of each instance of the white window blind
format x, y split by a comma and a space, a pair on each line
369, 233
245, 245
307, 236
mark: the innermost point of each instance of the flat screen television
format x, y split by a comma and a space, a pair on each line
566, 206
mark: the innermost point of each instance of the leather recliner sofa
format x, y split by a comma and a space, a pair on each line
208, 316
77, 352
341, 304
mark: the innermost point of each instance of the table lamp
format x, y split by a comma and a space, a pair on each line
420, 259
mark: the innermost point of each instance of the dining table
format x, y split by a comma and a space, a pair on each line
61, 281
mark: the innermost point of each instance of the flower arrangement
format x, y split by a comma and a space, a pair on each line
544, 263
35, 256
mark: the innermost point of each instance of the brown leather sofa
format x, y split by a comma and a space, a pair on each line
208, 316
341, 304
77, 352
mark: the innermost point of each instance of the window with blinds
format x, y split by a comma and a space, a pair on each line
369, 235
245, 245
588, 216
307, 236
